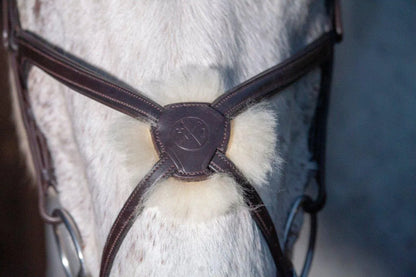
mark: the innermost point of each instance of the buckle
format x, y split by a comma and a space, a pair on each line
9, 29
5, 38
339, 29
5, 17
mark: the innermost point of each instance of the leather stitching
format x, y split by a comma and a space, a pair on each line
126, 222
94, 78
230, 110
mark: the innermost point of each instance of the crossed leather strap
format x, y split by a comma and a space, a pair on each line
191, 138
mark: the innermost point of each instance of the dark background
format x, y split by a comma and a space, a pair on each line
368, 227
22, 251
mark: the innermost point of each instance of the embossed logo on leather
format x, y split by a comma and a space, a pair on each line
190, 133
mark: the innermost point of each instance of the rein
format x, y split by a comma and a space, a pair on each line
184, 159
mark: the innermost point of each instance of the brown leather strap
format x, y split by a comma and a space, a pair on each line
131, 209
220, 163
80, 76
317, 137
275, 79
42, 159
11, 23
85, 81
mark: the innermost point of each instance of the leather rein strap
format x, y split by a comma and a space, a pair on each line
27, 49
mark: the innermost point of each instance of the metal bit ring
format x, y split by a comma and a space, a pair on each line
299, 203
71, 229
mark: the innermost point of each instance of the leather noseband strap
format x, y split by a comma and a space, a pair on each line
191, 138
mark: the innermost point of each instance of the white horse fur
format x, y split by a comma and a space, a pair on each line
176, 51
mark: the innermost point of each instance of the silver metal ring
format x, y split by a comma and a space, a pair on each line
299, 202
71, 229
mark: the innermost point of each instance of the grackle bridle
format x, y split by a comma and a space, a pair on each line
191, 138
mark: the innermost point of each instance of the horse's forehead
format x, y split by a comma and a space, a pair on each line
145, 40
131, 46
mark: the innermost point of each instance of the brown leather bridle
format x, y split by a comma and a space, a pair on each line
191, 138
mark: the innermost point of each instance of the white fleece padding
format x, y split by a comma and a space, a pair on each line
251, 146
195, 201
100, 155
131, 138
191, 83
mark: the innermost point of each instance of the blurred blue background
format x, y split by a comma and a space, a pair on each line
368, 226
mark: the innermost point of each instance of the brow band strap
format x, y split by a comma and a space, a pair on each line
85, 81
220, 163
29, 49
275, 79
